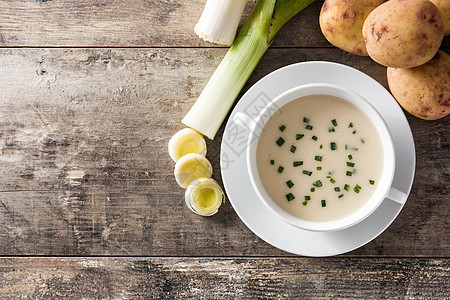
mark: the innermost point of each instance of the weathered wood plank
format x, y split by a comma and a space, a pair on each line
176, 278
85, 171
140, 23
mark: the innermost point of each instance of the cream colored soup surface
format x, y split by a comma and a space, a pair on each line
358, 139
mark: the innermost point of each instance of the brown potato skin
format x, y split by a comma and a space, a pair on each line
443, 7
341, 23
423, 91
403, 33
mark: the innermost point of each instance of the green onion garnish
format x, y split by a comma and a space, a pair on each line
331, 129
304, 203
372, 182
289, 183
333, 146
354, 171
307, 198
332, 180
319, 168
321, 146
280, 169
282, 128
293, 148
299, 136
337, 189
346, 187
309, 127
307, 172
312, 190
357, 189
354, 132
348, 173
362, 141
346, 146
350, 125
341, 195
280, 141
314, 137
272, 161
318, 183
297, 163
306, 120
323, 202
318, 158
290, 197
350, 157
350, 164
334, 122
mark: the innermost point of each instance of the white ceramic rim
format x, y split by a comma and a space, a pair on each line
377, 120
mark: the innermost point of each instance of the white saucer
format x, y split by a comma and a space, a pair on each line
252, 211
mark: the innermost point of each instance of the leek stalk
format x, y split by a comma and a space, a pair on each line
255, 37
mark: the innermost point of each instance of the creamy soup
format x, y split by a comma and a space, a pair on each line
319, 158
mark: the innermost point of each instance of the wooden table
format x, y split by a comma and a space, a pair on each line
90, 93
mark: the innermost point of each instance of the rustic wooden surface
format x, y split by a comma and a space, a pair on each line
90, 93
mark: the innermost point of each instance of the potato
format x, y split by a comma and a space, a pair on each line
341, 23
403, 34
423, 91
443, 7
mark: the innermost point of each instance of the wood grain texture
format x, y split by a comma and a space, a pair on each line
85, 170
139, 23
239, 278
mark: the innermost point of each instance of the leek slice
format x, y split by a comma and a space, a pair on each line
186, 141
204, 196
190, 167
255, 37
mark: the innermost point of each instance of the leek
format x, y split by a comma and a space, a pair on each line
220, 20
255, 37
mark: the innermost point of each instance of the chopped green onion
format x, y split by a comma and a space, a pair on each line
337, 189
346, 187
329, 176
354, 149
304, 203
293, 148
372, 182
323, 202
289, 183
330, 173
350, 164
280, 141
341, 195
272, 161
348, 173
297, 163
321, 146
319, 168
334, 122
346, 146
350, 125
290, 197
306, 120
307, 172
333, 146
307, 198
309, 127
354, 171
299, 136
318, 158
282, 128
224, 86
318, 183
312, 190
331, 129
362, 141
354, 132
357, 189
314, 137
350, 157
280, 169
332, 180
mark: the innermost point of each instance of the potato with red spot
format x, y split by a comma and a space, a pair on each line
423, 91
443, 7
403, 34
341, 23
